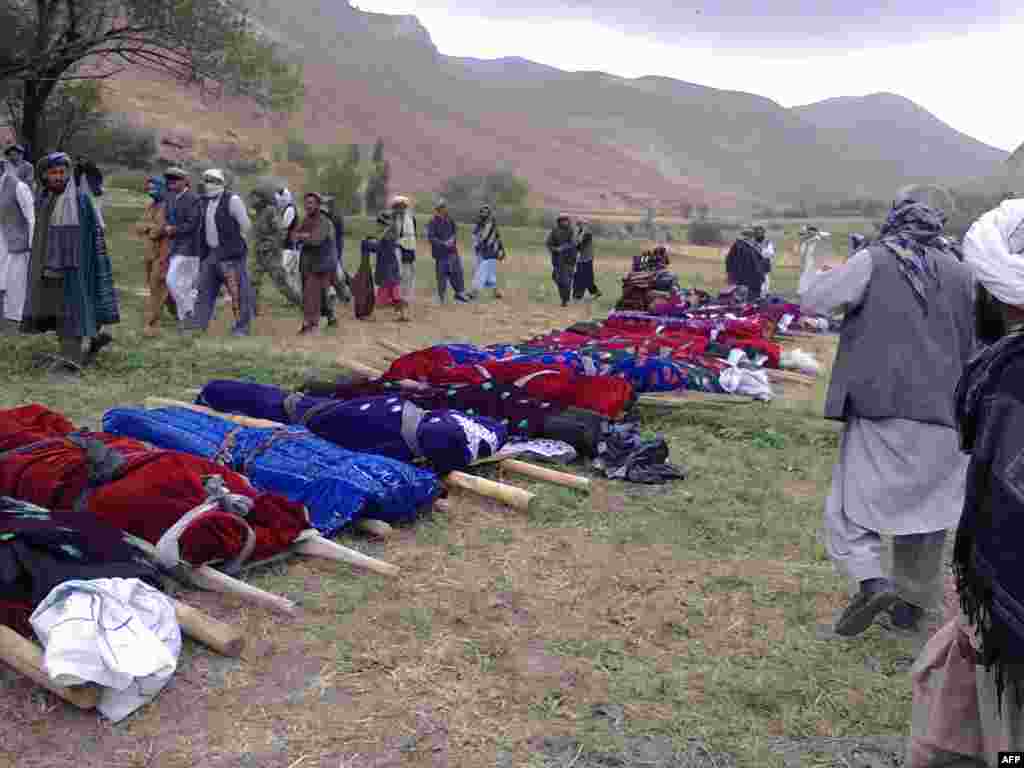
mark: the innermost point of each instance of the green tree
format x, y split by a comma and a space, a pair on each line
205, 42
379, 182
340, 177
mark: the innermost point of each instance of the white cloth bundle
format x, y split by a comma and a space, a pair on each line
994, 251
118, 633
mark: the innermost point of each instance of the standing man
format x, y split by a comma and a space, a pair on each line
906, 337
767, 253
22, 168
223, 227
338, 279
153, 229
561, 243
182, 230
744, 264
17, 222
489, 251
318, 261
442, 232
584, 280
70, 278
404, 223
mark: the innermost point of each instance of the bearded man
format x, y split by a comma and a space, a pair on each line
70, 284
907, 334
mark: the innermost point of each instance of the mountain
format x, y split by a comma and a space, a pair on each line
593, 140
904, 135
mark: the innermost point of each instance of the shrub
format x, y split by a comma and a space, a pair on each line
705, 233
118, 142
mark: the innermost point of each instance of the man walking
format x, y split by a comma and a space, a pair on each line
906, 336
223, 227
442, 232
152, 228
17, 222
561, 243
182, 228
70, 279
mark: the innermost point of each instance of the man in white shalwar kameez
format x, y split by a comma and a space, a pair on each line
17, 223
906, 336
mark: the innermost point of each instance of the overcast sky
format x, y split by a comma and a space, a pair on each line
960, 61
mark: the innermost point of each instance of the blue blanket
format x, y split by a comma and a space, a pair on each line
337, 486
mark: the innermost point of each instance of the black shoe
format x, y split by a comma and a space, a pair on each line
332, 321
875, 596
565, 303
906, 616
461, 297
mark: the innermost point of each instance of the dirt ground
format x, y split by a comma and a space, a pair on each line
637, 627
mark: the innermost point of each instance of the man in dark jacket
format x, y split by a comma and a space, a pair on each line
745, 265
442, 232
181, 229
562, 245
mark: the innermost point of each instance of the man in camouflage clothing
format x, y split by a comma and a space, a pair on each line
267, 246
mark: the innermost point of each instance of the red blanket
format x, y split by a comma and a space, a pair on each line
149, 493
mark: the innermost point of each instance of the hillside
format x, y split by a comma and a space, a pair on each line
590, 140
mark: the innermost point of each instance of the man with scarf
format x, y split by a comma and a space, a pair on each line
17, 222
489, 251
584, 280
562, 245
968, 682
907, 333
70, 286
21, 167
442, 232
152, 228
182, 213
767, 248
318, 261
745, 265
223, 252
404, 231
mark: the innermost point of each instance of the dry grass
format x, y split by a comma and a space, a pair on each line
694, 606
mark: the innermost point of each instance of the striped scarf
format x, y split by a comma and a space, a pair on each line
913, 234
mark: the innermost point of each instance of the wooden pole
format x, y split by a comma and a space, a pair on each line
374, 527
205, 577
685, 401
393, 347
245, 421
516, 498
223, 638
791, 376
358, 367
27, 657
547, 475
318, 546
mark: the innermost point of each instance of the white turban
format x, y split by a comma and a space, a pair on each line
994, 250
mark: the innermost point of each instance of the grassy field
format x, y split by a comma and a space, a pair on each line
656, 626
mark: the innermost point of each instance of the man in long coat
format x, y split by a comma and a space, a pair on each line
70, 278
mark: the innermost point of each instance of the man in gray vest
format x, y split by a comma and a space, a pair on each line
182, 230
223, 226
907, 334
17, 222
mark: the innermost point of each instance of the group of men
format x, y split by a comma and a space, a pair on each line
572, 259
749, 262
